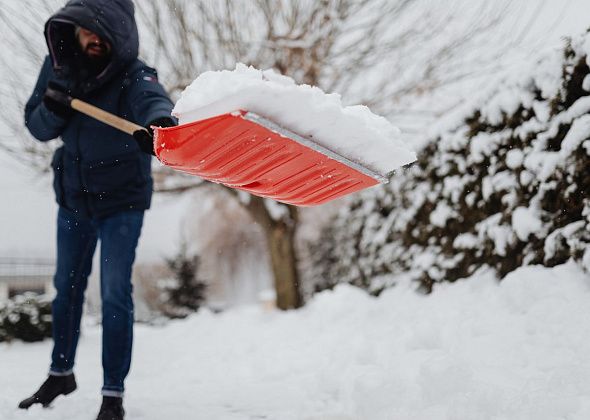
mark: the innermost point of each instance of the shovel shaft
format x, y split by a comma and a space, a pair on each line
105, 117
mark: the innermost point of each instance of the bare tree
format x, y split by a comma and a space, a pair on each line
376, 52
24, 50
370, 51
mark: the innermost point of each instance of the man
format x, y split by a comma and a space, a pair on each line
102, 180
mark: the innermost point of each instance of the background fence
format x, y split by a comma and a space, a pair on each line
19, 275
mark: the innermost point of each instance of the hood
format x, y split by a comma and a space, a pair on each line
112, 20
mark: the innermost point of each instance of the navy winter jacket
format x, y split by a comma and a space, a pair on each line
99, 170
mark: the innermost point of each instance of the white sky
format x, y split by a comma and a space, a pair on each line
27, 213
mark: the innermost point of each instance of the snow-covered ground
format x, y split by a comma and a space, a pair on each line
472, 350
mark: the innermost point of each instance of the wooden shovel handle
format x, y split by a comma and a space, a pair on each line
105, 117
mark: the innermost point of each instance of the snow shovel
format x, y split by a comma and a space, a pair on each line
248, 152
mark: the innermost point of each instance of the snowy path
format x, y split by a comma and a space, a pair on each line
472, 350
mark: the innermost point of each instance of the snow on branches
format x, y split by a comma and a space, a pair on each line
505, 184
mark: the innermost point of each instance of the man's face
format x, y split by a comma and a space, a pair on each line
92, 45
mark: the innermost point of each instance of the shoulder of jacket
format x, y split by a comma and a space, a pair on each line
139, 68
137, 72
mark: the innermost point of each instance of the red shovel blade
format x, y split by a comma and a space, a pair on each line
247, 152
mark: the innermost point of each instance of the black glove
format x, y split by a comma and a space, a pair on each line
56, 99
145, 138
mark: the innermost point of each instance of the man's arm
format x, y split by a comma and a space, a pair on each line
43, 124
147, 99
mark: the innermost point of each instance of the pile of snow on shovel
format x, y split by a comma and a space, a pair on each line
352, 131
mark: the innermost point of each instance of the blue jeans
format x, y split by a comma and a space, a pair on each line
76, 243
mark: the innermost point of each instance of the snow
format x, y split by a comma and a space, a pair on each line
353, 131
558, 235
543, 163
473, 349
514, 158
526, 222
502, 181
465, 241
441, 214
276, 210
579, 132
505, 103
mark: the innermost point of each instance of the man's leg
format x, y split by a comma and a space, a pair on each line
76, 242
119, 235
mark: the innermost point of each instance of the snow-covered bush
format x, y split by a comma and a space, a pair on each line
26, 317
184, 293
505, 183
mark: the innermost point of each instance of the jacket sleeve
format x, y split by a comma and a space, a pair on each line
43, 124
147, 98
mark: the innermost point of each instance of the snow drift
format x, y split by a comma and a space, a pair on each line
475, 349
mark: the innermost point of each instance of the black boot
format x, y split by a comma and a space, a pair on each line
111, 409
51, 388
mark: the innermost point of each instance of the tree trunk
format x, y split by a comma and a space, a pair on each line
284, 265
280, 237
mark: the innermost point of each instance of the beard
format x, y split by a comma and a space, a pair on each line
88, 63
97, 62
96, 50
